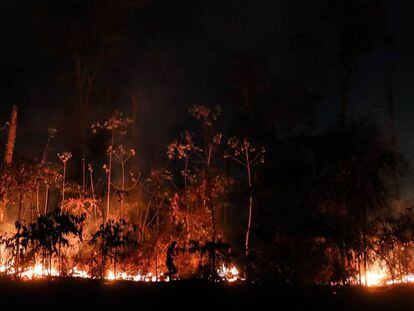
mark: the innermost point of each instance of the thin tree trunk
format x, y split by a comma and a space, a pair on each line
93, 192
359, 268
364, 236
83, 178
46, 198
103, 267
17, 258
108, 194
122, 185
63, 184
11, 138
213, 218
37, 198
45, 151
249, 221
186, 198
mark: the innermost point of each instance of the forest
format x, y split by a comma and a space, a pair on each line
248, 188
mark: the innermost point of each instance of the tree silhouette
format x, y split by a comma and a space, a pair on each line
113, 235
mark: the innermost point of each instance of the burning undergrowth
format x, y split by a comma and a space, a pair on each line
106, 220
112, 223
62, 244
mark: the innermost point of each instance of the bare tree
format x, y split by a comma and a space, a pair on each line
64, 157
203, 155
248, 156
116, 124
122, 156
360, 25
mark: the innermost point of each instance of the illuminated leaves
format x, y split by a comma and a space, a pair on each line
244, 153
205, 114
50, 231
182, 150
65, 156
121, 154
114, 234
116, 122
201, 149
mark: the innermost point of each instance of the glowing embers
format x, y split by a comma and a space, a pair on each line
229, 274
149, 277
77, 273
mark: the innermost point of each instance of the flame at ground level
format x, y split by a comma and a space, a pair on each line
377, 276
374, 278
226, 273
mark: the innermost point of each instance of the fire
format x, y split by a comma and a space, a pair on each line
77, 273
38, 271
379, 276
229, 274
374, 278
111, 276
34, 272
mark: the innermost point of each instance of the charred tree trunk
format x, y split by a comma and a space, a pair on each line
103, 259
108, 190
47, 191
19, 212
365, 244
342, 263
213, 217
11, 138
249, 219
187, 203
359, 267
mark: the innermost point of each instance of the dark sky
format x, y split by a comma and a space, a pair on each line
176, 54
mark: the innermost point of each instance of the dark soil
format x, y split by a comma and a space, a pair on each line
195, 295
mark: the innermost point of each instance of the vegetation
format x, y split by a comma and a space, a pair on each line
252, 184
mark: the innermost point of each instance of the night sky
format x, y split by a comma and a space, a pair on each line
176, 54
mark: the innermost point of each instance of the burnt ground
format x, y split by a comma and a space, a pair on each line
195, 295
